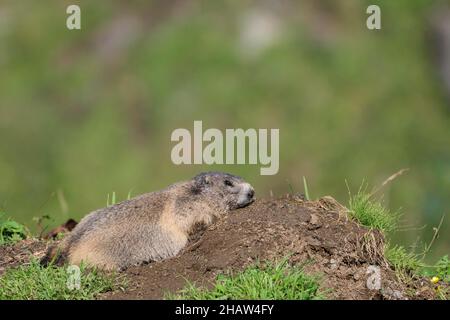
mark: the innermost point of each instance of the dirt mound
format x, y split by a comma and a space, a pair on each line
341, 251
338, 249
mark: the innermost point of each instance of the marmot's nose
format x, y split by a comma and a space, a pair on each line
251, 193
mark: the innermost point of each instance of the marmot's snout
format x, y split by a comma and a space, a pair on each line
251, 193
246, 195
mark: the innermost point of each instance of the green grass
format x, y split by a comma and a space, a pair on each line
371, 213
33, 282
10, 230
409, 265
441, 269
305, 187
405, 263
258, 282
112, 200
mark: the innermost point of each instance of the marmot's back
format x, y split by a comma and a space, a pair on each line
150, 227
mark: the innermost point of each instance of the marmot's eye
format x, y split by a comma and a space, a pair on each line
228, 183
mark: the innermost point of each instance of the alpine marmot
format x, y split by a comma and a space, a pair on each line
152, 226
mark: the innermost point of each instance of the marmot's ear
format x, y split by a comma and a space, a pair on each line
199, 183
203, 179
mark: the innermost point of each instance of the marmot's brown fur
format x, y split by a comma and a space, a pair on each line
153, 226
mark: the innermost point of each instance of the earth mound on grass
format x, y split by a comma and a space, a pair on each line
315, 234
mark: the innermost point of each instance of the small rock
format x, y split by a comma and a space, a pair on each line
334, 264
314, 219
390, 294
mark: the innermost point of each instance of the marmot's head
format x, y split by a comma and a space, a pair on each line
229, 190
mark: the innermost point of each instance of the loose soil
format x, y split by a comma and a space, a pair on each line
316, 234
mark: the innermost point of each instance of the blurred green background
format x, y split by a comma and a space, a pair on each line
87, 112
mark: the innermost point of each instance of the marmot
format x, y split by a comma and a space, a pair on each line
152, 226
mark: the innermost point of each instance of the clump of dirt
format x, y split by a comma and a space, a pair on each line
21, 253
345, 254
